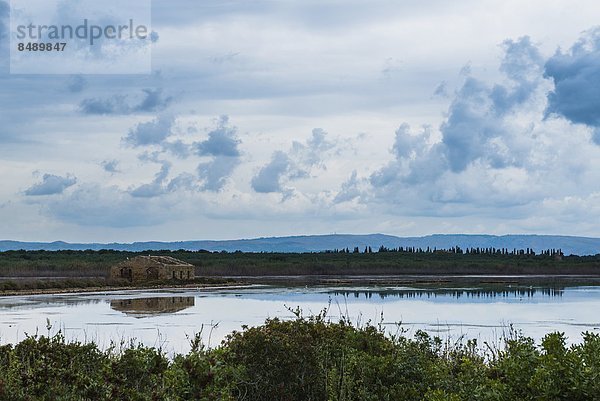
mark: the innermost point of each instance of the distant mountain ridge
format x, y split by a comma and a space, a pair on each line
315, 243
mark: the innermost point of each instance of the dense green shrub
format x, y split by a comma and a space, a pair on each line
305, 359
49, 368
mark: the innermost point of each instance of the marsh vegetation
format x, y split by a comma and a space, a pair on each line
305, 359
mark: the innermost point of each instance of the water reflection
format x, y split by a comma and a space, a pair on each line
484, 293
475, 310
141, 307
27, 302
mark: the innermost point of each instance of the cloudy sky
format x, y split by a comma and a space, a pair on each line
283, 117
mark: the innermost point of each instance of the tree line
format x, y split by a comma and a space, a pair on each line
457, 250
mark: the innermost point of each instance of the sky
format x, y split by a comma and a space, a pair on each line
292, 117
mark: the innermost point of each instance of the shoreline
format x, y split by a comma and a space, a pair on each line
77, 290
330, 280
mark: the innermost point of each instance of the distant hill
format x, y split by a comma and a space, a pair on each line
315, 243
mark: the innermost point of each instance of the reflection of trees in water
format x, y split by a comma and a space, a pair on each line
59, 302
505, 292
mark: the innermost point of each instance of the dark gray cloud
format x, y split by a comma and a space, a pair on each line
161, 184
112, 105
415, 161
148, 190
51, 185
596, 136
222, 146
222, 141
576, 76
178, 148
522, 64
407, 145
150, 157
269, 177
151, 133
311, 153
470, 124
441, 90
152, 100
156, 187
293, 165
110, 166
183, 181
157, 132
215, 173
477, 113
350, 189
476, 128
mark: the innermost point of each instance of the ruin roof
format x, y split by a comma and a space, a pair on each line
162, 260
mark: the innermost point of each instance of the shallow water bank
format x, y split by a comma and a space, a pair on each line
168, 316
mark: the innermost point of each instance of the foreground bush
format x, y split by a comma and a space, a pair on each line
305, 359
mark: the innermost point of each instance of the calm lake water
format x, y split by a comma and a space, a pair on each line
166, 317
